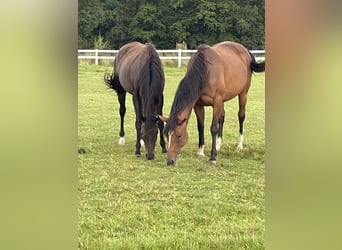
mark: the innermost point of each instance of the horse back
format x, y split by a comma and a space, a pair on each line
128, 64
229, 72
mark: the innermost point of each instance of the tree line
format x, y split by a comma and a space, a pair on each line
108, 24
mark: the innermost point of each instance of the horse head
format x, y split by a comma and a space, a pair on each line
149, 131
178, 137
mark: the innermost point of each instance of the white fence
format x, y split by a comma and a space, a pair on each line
175, 54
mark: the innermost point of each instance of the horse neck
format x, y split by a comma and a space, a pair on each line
185, 114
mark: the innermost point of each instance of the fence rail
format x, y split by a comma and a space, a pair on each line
173, 54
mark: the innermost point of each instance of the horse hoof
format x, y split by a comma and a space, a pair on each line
137, 155
239, 146
200, 155
164, 150
122, 141
212, 162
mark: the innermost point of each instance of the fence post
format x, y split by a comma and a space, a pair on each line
96, 57
179, 58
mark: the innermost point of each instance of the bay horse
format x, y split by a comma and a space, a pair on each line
138, 71
215, 74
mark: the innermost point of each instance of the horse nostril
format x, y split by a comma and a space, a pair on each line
170, 162
150, 157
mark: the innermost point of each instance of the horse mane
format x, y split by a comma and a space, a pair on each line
189, 88
152, 82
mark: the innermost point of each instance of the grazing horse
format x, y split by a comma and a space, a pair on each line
138, 71
214, 75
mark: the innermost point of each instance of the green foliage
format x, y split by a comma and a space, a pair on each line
100, 43
167, 22
90, 16
127, 202
145, 24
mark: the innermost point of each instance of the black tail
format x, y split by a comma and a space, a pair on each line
112, 81
255, 66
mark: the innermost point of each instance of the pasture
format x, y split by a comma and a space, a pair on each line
127, 202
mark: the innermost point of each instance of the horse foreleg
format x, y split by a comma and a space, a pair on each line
213, 131
217, 114
137, 108
199, 111
122, 111
161, 127
162, 139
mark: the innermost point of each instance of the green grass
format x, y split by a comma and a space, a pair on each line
131, 203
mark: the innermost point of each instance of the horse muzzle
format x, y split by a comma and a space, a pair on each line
150, 156
170, 162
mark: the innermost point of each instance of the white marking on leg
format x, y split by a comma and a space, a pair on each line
218, 143
122, 141
200, 151
170, 134
212, 162
142, 143
240, 143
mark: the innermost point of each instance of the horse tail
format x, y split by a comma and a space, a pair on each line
112, 81
152, 80
257, 66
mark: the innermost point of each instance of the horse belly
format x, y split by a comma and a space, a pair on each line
235, 84
126, 81
226, 88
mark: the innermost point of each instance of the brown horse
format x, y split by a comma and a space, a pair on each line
138, 71
214, 75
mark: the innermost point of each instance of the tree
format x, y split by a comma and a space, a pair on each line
146, 25
167, 22
90, 15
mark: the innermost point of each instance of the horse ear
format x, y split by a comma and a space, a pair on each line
163, 118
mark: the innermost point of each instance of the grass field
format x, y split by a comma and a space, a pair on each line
131, 203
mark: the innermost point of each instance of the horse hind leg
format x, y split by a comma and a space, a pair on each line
137, 108
220, 132
241, 117
241, 139
122, 111
199, 111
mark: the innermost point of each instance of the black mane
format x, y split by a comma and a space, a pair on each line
189, 88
